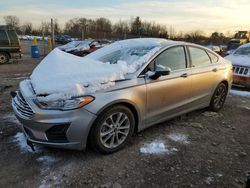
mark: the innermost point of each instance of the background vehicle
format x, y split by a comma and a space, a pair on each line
240, 59
216, 49
85, 47
122, 88
63, 39
240, 37
9, 44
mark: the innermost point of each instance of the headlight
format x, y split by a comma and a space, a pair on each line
65, 104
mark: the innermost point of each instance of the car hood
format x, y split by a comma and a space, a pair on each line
61, 76
241, 60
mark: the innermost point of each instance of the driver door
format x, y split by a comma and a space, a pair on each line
170, 94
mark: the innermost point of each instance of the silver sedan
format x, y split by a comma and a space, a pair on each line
178, 78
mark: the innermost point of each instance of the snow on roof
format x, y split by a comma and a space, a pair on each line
61, 75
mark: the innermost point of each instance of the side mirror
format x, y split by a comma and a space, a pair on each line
160, 71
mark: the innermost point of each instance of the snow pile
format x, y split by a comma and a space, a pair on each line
178, 137
49, 180
240, 93
156, 147
20, 139
61, 75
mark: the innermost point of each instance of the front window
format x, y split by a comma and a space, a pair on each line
174, 58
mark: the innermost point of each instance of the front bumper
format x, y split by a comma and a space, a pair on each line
16, 55
241, 80
54, 128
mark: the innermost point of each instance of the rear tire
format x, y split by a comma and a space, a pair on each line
112, 129
218, 98
4, 57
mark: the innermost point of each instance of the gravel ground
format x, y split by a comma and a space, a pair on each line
199, 149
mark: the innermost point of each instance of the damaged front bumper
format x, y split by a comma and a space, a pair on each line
54, 128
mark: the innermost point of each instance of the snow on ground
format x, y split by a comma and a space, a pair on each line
179, 137
240, 93
20, 140
71, 76
156, 147
51, 179
209, 180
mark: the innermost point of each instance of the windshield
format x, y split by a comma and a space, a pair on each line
242, 51
129, 55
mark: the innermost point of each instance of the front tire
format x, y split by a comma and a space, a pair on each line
112, 129
218, 98
4, 58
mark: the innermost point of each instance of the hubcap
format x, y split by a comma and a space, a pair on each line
220, 96
2, 59
114, 130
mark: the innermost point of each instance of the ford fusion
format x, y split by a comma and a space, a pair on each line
125, 87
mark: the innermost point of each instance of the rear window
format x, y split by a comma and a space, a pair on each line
13, 37
213, 57
3, 37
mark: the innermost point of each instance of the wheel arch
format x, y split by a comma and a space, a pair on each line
125, 103
8, 53
225, 82
130, 105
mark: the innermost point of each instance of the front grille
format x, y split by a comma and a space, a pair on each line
240, 70
22, 106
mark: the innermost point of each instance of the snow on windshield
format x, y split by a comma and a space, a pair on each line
61, 75
242, 51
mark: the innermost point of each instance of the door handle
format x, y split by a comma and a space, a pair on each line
184, 75
215, 70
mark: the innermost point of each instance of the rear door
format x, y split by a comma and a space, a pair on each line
14, 41
168, 95
206, 74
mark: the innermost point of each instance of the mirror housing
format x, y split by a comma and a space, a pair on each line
160, 72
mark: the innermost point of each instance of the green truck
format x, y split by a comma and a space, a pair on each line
9, 44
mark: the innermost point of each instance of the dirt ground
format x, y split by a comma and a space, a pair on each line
200, 149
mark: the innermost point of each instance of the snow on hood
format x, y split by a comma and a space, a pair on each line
242, 60
62, 76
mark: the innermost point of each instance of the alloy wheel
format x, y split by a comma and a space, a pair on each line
3, 58
220, 96
114, 130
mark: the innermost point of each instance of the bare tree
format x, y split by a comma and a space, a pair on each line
12, 21
27, 28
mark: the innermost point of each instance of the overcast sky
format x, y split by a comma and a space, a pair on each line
209, 15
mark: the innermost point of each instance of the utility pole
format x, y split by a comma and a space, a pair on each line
52, 33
